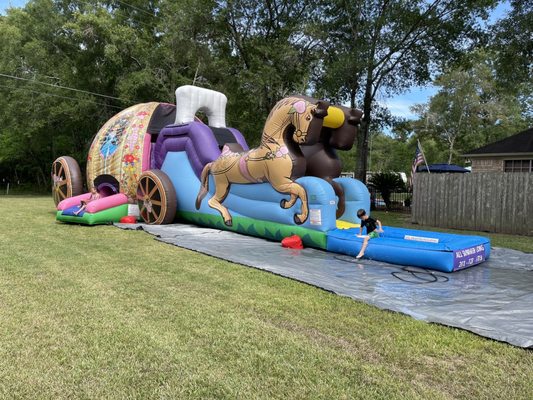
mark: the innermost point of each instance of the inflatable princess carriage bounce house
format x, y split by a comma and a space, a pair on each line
175, 167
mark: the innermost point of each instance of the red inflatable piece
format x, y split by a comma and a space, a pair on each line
292, 242
128, 219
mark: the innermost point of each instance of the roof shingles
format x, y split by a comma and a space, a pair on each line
522, 142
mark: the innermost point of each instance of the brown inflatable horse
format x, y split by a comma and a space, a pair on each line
278, 160
321, 158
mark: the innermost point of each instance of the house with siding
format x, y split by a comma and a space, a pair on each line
512, 154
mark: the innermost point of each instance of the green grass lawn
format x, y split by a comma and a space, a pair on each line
517, 242
98, 312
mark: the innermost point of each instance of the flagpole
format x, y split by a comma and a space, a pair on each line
423, 155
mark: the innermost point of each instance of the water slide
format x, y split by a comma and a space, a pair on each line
181, 151
155, 152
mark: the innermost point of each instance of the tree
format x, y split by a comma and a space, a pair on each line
52, 46
389, 153
386, 183
470, 109
265, 50
513, 49
110, 54
254, 51
387, 46
125, 53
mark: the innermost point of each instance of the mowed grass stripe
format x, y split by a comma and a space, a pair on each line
97, 312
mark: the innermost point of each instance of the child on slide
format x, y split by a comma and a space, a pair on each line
371, 231
94, 196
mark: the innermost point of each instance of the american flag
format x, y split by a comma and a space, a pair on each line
419, 159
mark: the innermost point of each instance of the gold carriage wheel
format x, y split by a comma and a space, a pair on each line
156, 198
66, 179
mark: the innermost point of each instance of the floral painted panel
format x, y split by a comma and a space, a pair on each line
118, 147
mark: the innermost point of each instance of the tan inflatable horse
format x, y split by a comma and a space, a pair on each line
277, 160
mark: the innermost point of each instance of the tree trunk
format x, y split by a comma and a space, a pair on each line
450, 149
38, 176
43, 179
352, 98
361, 164
386, 199
361, 154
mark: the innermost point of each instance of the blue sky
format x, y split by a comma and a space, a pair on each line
398, 105
11, 3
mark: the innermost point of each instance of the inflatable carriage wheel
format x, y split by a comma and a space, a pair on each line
156, 197
67, 180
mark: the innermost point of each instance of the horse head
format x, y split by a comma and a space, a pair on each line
307, 119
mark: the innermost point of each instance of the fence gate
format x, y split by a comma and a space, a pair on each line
490, 201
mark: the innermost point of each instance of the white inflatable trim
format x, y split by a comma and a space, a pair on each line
191, 99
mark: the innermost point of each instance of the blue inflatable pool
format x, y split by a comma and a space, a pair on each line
440, 251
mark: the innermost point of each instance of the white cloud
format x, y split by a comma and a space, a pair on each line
400, 105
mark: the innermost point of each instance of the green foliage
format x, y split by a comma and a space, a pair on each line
51, 44
514, 47
388, 46
264, 51
389, 153
387, 183
469, 110
135, 52
254, 51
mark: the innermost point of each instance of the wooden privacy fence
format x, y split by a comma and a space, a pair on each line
491, 201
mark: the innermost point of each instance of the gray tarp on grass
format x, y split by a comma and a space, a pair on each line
494, 299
